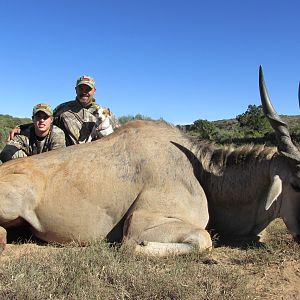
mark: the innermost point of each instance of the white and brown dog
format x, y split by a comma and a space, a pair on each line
103, 126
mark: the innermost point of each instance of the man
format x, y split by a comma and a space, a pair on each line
40, 136
78, 117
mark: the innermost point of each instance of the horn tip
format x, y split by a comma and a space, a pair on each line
261, 75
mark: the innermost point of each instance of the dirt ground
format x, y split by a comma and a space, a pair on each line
277, 281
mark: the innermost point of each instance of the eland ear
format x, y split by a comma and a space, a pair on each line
274, 191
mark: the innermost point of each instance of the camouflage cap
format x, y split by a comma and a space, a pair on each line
85, 79
44, 108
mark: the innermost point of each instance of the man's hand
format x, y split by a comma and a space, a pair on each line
12, 133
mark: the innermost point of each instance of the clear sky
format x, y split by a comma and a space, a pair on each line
181, 60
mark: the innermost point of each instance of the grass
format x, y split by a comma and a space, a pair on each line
100, 271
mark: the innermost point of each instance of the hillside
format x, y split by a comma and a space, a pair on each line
6, 123
228, 129
9, 121
293, 123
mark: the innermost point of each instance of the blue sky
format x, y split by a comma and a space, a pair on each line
181, 60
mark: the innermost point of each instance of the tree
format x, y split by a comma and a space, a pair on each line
204, 129
125, 119
253, 121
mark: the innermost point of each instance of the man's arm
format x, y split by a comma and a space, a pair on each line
8, 152
17, 147
17, 130
12, 150
58, 139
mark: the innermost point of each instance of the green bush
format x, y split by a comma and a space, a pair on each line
8, 122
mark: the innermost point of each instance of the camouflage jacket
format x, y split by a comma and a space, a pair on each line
27, 143
77, 121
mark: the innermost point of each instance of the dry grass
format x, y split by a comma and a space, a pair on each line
271, 271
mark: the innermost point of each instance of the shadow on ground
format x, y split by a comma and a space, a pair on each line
22, 236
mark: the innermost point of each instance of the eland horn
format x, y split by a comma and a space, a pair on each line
285, 144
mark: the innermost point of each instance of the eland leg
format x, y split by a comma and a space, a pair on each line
157, 235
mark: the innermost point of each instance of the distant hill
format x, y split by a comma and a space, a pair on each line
8, 122
228, 131
293, 123
228, 127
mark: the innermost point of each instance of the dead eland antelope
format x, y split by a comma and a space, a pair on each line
148, 184
250, 186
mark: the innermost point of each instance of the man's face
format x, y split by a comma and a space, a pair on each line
85, 94
42, 123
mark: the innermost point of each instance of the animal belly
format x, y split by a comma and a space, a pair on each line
74, 226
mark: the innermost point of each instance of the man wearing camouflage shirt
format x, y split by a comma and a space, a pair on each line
77, 117
40, 136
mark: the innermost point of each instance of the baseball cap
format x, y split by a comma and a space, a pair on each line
42, 107
85, 79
